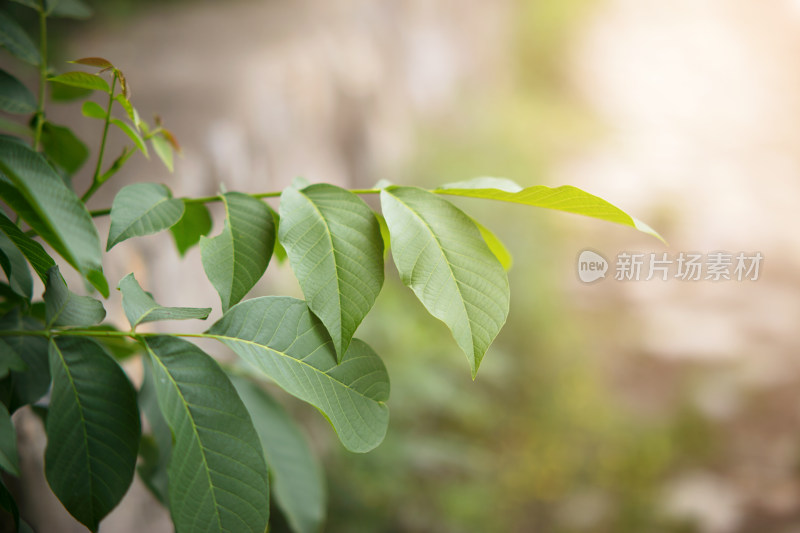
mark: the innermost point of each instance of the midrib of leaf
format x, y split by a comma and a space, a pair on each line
450, 268
185, 405
83, 419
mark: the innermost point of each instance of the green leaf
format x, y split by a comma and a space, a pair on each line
93, 110
441, 256
280, 337
82, 80
74, 9
9, 459
195, 223
142, 209
92, 430
387, 241
65, 308
297, 480
32, 250
495, 245
11, 361
42, 199
236, 259
118, 346
129, 109
33, 4
564, 198
140, 307
16, 41
66, 93
63, 148
155, 448
131, 133
16, 268
217, 476
278, 251
334, 245
23, 388
7, 502
14, 96
163, 150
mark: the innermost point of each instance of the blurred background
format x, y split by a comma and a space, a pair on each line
638, 406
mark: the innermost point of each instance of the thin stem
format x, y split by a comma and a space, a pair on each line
37, 138
96, 182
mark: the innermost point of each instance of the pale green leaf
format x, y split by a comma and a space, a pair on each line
132, 135
16, 41
82, 80
92, 429
32, 250
387, 241
278, 252
53, 210
93, 110
140, 307
236, 259
9, 459
24, 387
296, 474
14, 265
63, 148
129, 109
14, 96
61, 93
142, 209
564, 198
218, 479
65, 308
195, 223
496, 246
334, 245
163, 150
441, 256
280, 337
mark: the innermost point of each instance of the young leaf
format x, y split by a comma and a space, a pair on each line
16, 41
297, 479
93, 110
140, 307
14, 96
163, 150
156, 448
63, 148
24, 387
9, 459
32, 250
92, 430
66, 93
280, 337
74, 9
235, 259
195, 223
334, 245
142, 209
42, 199
129, 110
495, 245
98, 62
564, 198
82, 80
16, 268
65, 308
132, 135
442, 257
218, 480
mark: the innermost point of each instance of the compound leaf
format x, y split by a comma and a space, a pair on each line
140, 307
280, 337
218, 480
334, 245
142, 209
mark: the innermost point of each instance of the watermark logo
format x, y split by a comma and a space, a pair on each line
683, 266
591, 266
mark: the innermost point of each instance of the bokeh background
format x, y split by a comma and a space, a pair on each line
660, 406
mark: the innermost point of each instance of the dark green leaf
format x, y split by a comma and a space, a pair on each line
9, 505
23, 388
65, 308
32, 250
118, 346
9, 459
236, 259
74, 9
33, 4
93, 110
280, 337
296, 475
16, 268
140, 307
195, 223
442, 257
334, 245
156, 447
92, 430
131, 133
16, 41
63, 148
51, 209
142, 209
163, 150
218, 480
14, 96
11, 361
82, 80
